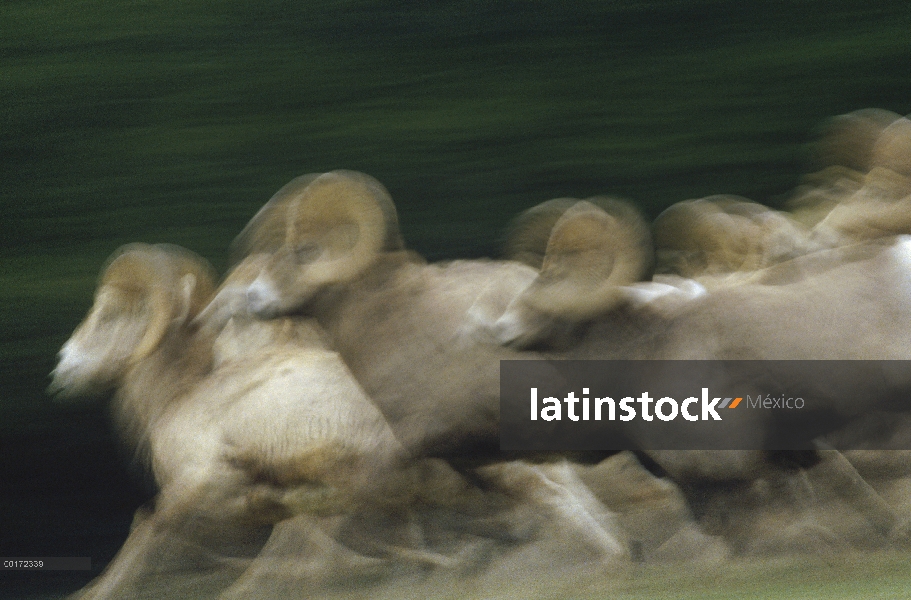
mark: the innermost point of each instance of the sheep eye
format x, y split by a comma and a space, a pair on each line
307, 253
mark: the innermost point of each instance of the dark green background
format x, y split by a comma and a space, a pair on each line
174, 121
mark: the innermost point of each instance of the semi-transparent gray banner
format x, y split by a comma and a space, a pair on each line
704, 405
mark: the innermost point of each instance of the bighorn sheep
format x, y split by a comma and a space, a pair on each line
882, 205
376, 307
862, 190
379, 318
386, 309
860, 194
773, 299
399, 323
842, 156
240, 430
787, 311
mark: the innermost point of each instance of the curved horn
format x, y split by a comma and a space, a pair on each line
590, 254
148, 276
528, 234
701, 236
265, 233
679, 248
848, 140
134, 273
346, 219
723, 234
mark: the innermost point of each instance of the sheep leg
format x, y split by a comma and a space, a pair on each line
559, 491
423, 557
182, 545
157, 561
301, 554
598, 524
114, 575
835, 472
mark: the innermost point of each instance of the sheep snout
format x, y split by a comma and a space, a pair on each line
262, 298
72, 375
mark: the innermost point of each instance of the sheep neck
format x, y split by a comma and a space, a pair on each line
152, 385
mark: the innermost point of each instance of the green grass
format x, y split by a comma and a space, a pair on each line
836, 577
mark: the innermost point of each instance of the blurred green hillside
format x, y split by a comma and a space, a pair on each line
166, 121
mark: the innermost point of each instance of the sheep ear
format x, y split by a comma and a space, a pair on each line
350, 219
590, 254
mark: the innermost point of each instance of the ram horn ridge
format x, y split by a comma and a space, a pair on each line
703, 237
343, 214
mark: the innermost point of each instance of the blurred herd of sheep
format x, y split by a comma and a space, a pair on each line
326, 420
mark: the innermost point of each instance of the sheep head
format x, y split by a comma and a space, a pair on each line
142, 293
230, 299
695, 237
590, 256
891, 160
723, 234
881, 206
849, 140
335, 226
844, 155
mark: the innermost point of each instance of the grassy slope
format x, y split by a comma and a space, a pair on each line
165, 121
